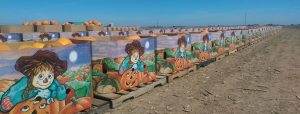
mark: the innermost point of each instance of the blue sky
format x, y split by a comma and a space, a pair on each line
149, 12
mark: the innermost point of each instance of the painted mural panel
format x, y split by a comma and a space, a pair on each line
50, 80
173, 53
231, 39
125, 64
203, 49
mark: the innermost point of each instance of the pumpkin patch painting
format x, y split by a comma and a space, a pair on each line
231, 39
45, 81
204, 48
173, 54
123, 64
220, 43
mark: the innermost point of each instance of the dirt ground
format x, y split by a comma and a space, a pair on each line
261, 79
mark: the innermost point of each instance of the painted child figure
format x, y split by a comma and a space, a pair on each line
205, 46
232, 41
222, 40
132, 60
181, 59
181, 51
40, 71
232, 38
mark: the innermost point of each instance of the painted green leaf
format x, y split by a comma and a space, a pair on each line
82, 89
169, 53
159, 59
151, 66
169, 65
214, 49
240, 37
110, 64
197, 46
111, 81
98, 74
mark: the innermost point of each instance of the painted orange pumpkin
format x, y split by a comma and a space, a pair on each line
179, 64
130, 79
98, 67
32, 106
187, 64
148, 77
232, 47
221, 50
70, 95
63, 79
77, 105
204, 56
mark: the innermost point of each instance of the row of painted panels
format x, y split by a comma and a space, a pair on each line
16, 37
61, 79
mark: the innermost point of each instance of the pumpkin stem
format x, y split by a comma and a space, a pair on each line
74, 100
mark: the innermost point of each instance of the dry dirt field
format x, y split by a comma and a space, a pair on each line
261, 79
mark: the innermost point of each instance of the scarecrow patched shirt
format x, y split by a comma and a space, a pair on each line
126, 65
178, 54
15, 92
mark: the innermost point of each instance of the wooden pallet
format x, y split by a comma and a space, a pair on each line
171, 77
99, 107
241, 47
220, 56
232, 51
117, 99
227, 52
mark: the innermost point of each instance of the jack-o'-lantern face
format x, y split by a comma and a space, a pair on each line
179, 64
135, 56
232, 47
31, 106
204, 56
130, 79
220, 50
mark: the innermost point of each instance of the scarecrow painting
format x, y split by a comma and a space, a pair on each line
222, 40
126, 71
132, 60
181, 51
180, 61
39, 80
220, 44
232, 41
